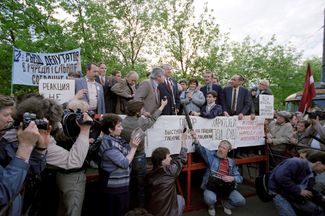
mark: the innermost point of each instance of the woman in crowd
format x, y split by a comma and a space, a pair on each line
116, 156
192, 97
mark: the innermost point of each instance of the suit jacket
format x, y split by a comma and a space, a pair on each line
218, 89
109, 97
214, 112
124, 93
81, 83
172, 97
244, 102
146, 93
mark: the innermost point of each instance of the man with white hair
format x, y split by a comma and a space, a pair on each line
169, 90
148, 91
262, 89
125, 90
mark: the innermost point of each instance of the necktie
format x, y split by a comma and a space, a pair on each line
233, 104
169, 88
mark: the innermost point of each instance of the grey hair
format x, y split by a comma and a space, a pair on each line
156, 72
265, 81
132, 73
227, 143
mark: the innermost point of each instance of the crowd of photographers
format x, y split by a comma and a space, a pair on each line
45, 148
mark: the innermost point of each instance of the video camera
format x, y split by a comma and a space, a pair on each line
313, 115
70, 120
40, 123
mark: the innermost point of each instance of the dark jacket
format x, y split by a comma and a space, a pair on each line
172, 97
287, 177
161, 192
218, 89
13, 172
244, 102
256, 100
214, 112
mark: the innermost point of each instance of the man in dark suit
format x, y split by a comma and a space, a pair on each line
237, 98
209, 86
93, 91
169, 91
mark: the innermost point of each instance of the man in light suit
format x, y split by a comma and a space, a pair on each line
148, 91
237, 98
169, 90
93, 92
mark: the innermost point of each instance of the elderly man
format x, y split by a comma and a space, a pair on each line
262, 89
169, 90
125, 90
221, 177
93, 91
278, 137
148, 91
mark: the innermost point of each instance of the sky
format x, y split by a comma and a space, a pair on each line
298, 22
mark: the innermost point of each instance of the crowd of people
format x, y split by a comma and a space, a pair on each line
44, 147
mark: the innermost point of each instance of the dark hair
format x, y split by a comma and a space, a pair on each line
158, 155
134, 107
182, 81
305, 122
114, 72
43, 108
316, 156
213, 93
109, 121
193, 81
88, 66
6, 101
74, 74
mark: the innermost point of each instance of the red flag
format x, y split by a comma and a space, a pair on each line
309, 91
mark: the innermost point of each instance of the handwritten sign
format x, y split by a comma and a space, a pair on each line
266, 103
29, 68
166, 132
60, 90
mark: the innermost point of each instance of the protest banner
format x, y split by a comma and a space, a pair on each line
167, 129
28, 68
60, 90
266, 103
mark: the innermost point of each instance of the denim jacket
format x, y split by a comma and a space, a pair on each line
212, 161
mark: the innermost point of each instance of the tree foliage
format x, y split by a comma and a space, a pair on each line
137, 34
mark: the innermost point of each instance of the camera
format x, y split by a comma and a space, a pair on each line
40, 123
70, 120
313, 115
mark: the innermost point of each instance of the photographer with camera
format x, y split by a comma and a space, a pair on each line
58, 157
221, 177
316, 131
19, 161
72, 182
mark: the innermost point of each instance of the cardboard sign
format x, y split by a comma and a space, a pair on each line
60, 90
